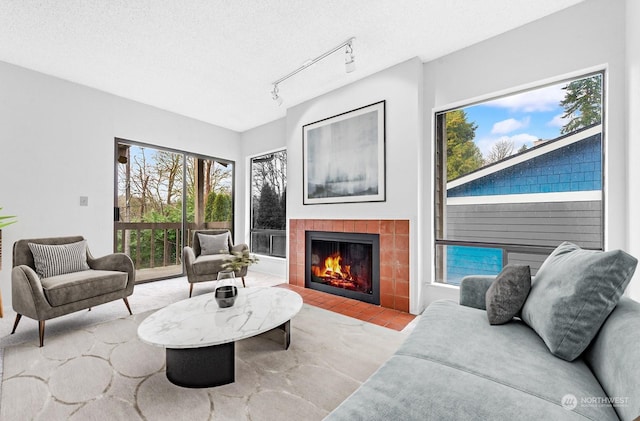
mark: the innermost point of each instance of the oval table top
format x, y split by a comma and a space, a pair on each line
198, 322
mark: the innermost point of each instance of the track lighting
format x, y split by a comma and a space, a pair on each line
349, 65
349, 59
275, 94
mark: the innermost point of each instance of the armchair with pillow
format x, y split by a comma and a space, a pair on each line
209, 251
52, 277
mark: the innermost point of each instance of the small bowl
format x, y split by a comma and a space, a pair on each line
226, 295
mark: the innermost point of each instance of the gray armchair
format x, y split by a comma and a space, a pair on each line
109, 278
205, 267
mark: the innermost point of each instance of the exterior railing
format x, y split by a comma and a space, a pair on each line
269, 242
156, 244
140, 240
486, 258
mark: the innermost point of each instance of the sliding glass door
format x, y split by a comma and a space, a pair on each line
156, 210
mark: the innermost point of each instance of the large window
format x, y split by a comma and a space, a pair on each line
518, 175
156, 210
269, 204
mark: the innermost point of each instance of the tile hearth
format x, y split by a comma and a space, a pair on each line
386, 317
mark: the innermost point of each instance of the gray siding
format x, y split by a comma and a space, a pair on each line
534, 261
539, 224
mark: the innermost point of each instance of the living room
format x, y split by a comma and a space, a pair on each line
58, 139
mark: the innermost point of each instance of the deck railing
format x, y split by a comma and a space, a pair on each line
269, 242
145, 241
156, 244
450, 270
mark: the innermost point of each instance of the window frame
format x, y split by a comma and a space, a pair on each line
439, 175
270, 232
184, 237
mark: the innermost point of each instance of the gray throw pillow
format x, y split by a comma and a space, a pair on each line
572, 295
54, 260
214, 243
507, 293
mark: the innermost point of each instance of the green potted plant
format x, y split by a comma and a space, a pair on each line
4, 221
239, 260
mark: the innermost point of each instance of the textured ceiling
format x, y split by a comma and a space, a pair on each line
215, 60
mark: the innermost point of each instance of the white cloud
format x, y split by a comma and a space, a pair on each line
558, 121
509, 125
523, 139
485, 144
544, 99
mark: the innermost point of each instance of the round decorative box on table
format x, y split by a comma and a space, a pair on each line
226, 292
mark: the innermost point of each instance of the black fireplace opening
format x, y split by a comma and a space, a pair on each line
346, 264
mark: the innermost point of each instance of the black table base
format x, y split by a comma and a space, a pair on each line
208, 366
201, 367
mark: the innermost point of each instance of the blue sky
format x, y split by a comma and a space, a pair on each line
523, 118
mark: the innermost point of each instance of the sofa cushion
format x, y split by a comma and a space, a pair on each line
507, 294
53, 260
510, 354
416, 389
77, 286
573, 293
205, 265
213, 243
454, 365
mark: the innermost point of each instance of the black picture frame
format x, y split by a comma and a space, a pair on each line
344, 157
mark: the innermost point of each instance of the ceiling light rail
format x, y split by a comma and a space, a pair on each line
349, 64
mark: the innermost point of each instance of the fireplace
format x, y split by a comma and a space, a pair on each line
394, 253
346, 264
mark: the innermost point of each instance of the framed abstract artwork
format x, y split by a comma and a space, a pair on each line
344, 157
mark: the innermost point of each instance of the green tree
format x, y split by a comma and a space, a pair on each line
221, 207
463, 155
208, 207
268, 209
582, 103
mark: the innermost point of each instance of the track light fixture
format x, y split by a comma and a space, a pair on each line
349, 59
275, 94
349, 64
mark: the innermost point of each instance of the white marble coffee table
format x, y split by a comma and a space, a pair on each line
199, 336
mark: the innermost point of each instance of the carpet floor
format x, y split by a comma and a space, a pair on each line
104, 371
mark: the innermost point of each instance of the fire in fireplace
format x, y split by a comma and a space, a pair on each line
346, 264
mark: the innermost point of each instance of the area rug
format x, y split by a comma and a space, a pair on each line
105, 372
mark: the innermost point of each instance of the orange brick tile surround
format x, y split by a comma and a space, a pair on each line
394, 253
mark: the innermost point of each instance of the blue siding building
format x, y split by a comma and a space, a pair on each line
569, 164
576, 167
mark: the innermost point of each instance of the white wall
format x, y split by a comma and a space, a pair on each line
57, 144
258, 141
401, 87
633, 135
561, 44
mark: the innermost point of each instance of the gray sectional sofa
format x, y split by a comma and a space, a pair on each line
456, 366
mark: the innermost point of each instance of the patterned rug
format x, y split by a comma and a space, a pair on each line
104, 372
